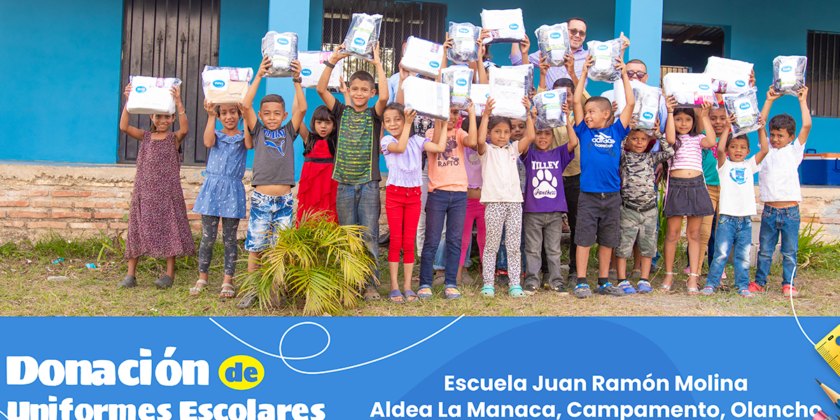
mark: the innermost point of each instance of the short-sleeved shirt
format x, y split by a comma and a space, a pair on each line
501, 174
472, 162
222, 193
689, 153
779, 176
737, 189
710, 166
544, 175
274, 155
404, 169
600, 151
357, 153
638, 174
447, 170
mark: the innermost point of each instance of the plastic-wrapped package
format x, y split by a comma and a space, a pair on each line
605, 53
505, 26
460, 79
789, 74
478, 96
689, 89
226, 85
150, 95
549, 106
729, 76
422, 57
646, 110
464, 36
430, 99
507, 88
747, 112
527, 70
281, 49
554, 43
362, 35
312, 65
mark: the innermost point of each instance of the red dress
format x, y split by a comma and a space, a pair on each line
157, 221
316, 189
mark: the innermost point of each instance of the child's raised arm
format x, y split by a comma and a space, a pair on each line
183, 123
210, 129
130, 131
806, 115
771, 97
529, 128
626, 113
324, 81
670, 128
481, 147
444, 61
724, 137
581, 85
404, 74
472, 136
299, 108
570, 129
248, 114
707, 141
543, 71
438, 144
763, 143
481, 70
383, 82
402, 142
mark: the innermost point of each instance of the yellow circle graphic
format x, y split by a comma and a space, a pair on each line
241, 372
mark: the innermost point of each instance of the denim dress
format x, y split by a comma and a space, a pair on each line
222, 193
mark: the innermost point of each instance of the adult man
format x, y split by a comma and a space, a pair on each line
574, 60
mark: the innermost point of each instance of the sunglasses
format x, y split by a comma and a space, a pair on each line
577, 32
637, 74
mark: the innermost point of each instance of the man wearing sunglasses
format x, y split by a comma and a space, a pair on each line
574, 60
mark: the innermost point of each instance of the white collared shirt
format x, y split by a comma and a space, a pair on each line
500, 174
779, 176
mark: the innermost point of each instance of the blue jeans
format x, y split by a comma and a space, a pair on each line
450, 206
360, 205
775, 222
734, 234
268, 213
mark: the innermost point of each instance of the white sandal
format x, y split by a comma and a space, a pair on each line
198, 288
228, 291
665, 287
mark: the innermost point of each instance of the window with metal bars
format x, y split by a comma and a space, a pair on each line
399, 21
663, 70
823, 73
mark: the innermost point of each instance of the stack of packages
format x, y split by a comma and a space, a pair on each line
281, 49
504, 26
422, 57
689, 89
729, 76
507, 88
226, 85
605, 55
646, 110
362, 35
549, 107
554, 43
151, 95
459, 79
312, 65
789, 74
745, 107
428, 98
464, 47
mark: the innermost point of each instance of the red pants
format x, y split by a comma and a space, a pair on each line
475, 213
402, 206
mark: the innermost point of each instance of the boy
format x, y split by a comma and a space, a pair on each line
779, 190
357, 154
737, 205
599, 203
639, 213
545, 204
274, 166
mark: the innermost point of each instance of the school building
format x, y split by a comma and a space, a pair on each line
65, 166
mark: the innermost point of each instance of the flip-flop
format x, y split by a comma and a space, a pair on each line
198, 288
164, 282
409, 294
394, 294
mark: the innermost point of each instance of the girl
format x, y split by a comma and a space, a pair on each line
475, 211
402, 191
501, 193
687, 194
157, 222
222, 195
317, 190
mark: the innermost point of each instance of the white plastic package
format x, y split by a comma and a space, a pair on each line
507, 88
422, 57
459, 79
226, 85
729, 76
430, 99
554, 43
281, 49
747, 113
689, 89
549, 106
505, 26
478, 96
646, 110
789, 74
464, 36
362, 35
527, 70
312, 65
605, 54
150, 95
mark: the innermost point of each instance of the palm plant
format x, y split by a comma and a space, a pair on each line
320, 261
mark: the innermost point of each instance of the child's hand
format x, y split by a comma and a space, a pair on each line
480, 48
533, 113
625, 42
567, 110
240, 108
488, 108
410, 115
403, 73
176, 93
342, 88
590, 60
543, 66
265, 66
732, 118
656, 126
296, 69
526, 102
619, 64
615, 107
484, 33
448, 44
772, 95
803, 95
127, 90
376, 60
671, 103
471, 108
210, 107
761, 122
752, 78
632, 125
525, 45
569, 62
336, 55
704, 109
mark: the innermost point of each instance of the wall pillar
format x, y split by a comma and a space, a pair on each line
641, 21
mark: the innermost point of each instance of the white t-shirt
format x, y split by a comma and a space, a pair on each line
779, 176
737, 188
500, 174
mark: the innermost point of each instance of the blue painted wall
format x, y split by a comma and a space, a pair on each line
62, 74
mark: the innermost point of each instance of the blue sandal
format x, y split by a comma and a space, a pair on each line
452, 292
488, 291
424, 292
708, 290
516, 291
409, 294
394, 295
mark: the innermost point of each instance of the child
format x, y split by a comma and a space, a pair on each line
317, 190
517, 132
687, 195
737, 205
274, 166
779, 190
357, 154
157, 221
222, 195
475, 212
545, 204
402, 193
501, 193
600, 201
639, 212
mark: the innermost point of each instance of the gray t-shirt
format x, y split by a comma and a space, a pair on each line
274, 155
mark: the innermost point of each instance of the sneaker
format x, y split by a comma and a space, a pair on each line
789, 291
626, 287
755, 287
746, 293
559, 288
530, 289
582, 291
608, 289
644, 286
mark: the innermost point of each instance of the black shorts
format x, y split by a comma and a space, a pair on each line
598, 219
688, 197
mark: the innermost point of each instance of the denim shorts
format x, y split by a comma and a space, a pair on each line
268, 214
